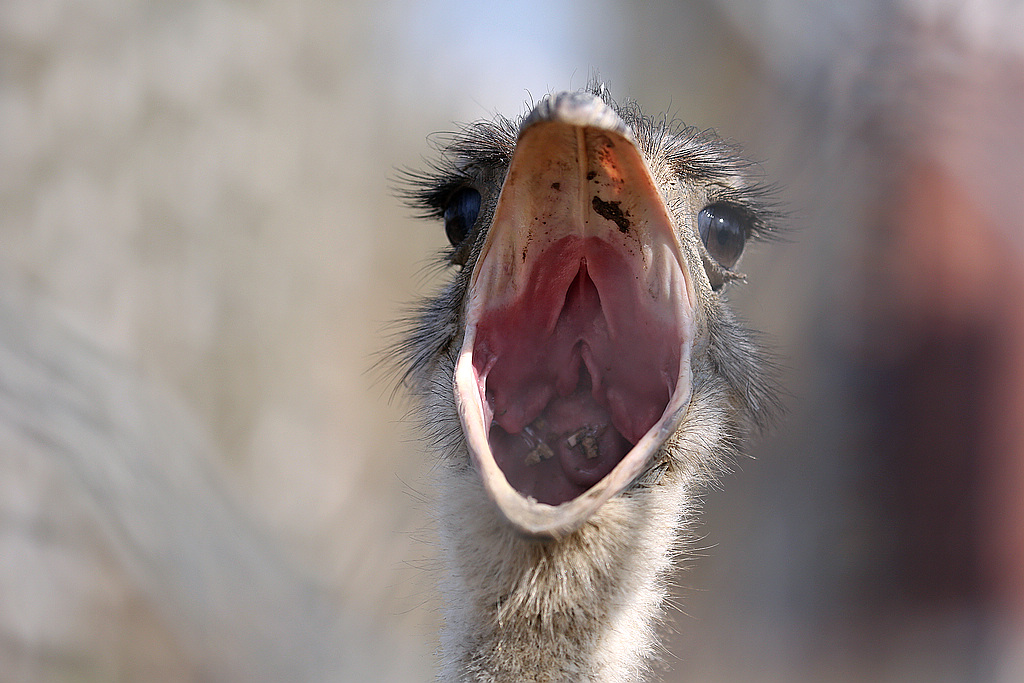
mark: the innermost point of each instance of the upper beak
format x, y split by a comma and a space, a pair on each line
578, 198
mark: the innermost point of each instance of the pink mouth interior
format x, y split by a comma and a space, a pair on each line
576, 370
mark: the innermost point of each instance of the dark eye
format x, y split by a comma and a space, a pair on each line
460, 214
722, 231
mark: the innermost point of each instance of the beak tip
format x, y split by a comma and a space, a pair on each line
579, 108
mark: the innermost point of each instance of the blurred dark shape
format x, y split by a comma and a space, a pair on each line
943, 298
910, 117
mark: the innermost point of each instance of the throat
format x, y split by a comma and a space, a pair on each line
570, 446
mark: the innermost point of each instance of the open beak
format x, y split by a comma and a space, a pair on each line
575, 365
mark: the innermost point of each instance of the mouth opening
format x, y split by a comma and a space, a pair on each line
575, 372
574, 368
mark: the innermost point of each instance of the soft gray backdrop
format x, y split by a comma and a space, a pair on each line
204, 190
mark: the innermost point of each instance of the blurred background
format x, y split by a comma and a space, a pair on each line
201, 251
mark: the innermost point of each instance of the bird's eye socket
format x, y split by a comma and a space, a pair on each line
460, 214
722, 231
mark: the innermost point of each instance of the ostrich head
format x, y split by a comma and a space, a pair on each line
580, 372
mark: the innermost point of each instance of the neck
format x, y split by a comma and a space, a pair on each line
581, 608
